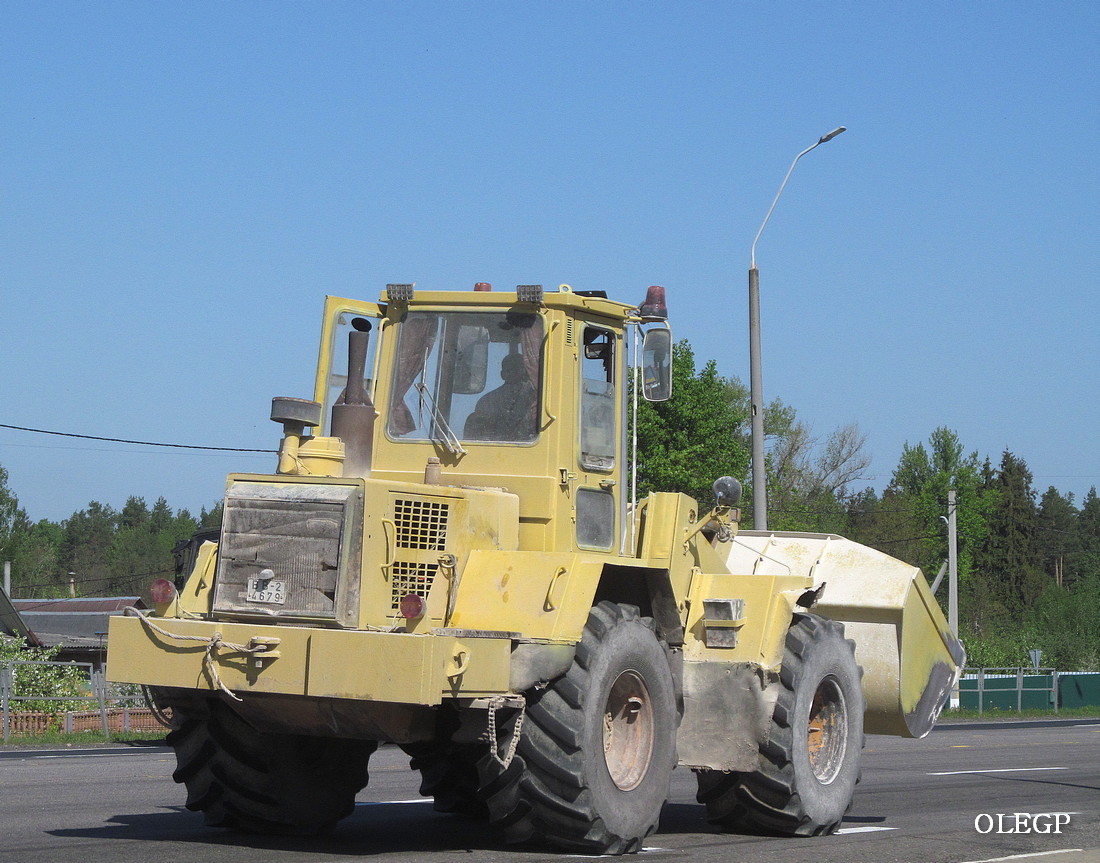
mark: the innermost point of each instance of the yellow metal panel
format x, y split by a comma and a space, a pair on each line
138, 654
768, 606
543, 596
199, 587
382, 666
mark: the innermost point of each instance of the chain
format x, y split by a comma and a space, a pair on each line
494, 705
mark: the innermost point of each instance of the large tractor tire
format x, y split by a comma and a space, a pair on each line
597, 747
809, 765
260, 782
448, 773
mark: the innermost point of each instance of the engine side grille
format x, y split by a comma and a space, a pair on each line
411, 578
421, 525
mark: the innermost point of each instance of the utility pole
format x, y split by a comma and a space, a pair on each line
952, 565
759, 476
953, 578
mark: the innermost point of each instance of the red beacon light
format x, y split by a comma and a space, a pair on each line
412, 606
654, 305
162, 591
483, 286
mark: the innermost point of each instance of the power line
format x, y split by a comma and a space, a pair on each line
117, 579
139, 442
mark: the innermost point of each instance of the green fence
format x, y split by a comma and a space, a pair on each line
1013, 689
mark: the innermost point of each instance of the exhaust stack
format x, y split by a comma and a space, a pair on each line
354, 414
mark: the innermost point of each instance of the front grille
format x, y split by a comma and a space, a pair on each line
296, 536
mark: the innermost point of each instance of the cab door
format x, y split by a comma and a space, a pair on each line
342, 316
598, 433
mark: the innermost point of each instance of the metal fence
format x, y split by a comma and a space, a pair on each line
107, 707
1009, 689
1015, 689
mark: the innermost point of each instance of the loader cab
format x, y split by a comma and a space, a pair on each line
507, 390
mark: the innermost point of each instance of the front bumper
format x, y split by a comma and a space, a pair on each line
303, 661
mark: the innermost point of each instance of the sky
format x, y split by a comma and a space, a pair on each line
182, 184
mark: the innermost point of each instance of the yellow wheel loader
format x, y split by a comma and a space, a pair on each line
450, 556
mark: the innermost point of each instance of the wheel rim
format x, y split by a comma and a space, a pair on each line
628, 731
827, 734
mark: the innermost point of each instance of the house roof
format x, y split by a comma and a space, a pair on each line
79, 604
79, 622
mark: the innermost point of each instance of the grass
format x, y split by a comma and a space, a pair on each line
83, 738
994, 715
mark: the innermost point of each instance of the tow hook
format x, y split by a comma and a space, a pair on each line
261, 647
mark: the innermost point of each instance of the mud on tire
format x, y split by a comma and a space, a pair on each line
597, 749
810, 763
260, 782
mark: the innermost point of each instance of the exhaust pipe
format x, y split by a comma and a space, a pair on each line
354, 414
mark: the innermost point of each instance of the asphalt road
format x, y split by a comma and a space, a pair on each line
930, 801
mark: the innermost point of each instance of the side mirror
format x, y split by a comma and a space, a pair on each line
657, 365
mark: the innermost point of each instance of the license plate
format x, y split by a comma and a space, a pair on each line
267, 590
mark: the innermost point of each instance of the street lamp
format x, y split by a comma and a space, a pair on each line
759, 478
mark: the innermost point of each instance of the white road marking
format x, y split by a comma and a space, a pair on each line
1026, 856
997, 770
871, 829
125, 753
391, 802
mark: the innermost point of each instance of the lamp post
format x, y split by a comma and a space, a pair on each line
759, 478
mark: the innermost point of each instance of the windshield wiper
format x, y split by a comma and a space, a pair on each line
445, 436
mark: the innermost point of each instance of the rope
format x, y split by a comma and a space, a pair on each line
213, 642
158, 714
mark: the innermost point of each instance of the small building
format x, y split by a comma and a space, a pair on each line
77, 625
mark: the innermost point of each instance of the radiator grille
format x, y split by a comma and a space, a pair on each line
296, 536
421, 524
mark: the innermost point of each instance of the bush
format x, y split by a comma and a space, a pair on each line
38, 676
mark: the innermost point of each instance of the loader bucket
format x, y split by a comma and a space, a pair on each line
910, 658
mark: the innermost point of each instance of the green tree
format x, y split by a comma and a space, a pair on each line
703, 432
1009, 556
35, 555
86, 546
921, 483
1087, 536
141, 549
160, 517
1056, 536
810, 480
210, 517
134, 514
886, 523
9, 515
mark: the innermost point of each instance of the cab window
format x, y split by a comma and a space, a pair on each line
473, 376
597, 413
